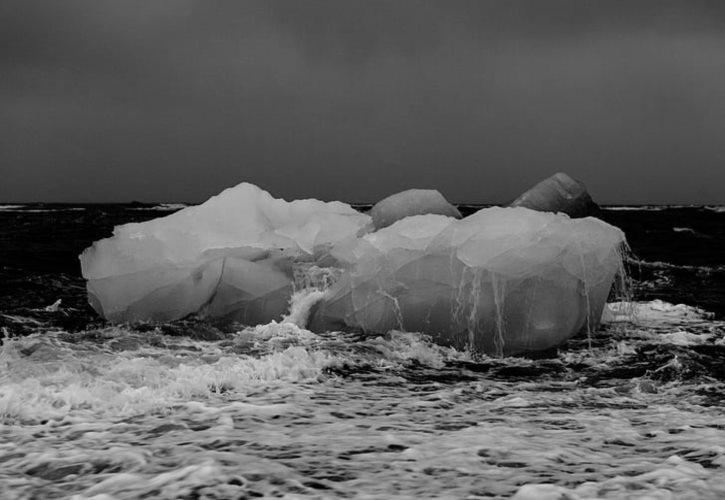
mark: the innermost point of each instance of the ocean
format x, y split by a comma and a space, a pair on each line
197, 410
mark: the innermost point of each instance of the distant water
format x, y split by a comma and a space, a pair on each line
192, 409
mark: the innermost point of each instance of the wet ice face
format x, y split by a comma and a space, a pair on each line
559, 193
504, 280
230, 257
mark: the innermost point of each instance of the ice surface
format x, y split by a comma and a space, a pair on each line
411, 202
505, 280
559, 193
230, 257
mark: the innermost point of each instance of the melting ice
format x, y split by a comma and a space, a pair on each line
504, 280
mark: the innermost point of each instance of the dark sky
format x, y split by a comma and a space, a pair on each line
161, 100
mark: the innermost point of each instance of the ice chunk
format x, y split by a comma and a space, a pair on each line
503, 280
559, 193
231, 257
411, 202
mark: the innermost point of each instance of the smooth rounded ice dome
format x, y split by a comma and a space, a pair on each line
559, 193
408, 203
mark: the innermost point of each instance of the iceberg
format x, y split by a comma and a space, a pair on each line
233, 257
503, 280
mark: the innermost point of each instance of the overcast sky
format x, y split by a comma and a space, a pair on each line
159, 100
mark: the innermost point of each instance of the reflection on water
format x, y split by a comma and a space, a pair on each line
277, 411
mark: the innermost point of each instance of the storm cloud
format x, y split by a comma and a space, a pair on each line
170, 101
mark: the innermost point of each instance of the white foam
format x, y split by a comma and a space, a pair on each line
684, 338
258, 415
54, 307
689, 230
648, 208
11, 208
675, 474
715, 208
63, 382
668, 265
162, 207
637, 208
402, 347
656, 311
27, 209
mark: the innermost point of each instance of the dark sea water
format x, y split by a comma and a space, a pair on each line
193, 409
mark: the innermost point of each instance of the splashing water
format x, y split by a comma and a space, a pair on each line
278, 411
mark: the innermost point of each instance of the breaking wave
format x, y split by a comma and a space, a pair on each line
715, 208
276, 410
162, 207
10, 208
35, 209
668, 265
639, 207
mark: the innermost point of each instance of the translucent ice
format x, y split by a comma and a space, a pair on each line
559, 193
411, 202
231, 257
504, 280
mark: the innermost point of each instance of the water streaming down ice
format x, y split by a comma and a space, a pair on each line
230, 257
503, 280
10, 208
